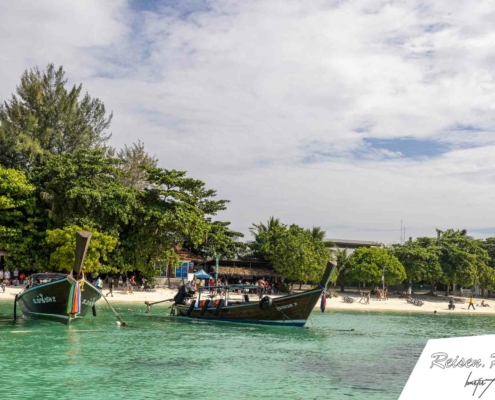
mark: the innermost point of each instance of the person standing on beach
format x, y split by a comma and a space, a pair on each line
6, 276
99, 284
110, 286
471, 302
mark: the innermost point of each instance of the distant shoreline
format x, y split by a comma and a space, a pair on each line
393, 304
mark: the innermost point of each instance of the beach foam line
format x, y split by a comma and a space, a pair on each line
20, 331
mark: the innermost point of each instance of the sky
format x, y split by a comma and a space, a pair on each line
348, 115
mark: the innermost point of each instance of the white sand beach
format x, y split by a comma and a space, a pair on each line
393, 304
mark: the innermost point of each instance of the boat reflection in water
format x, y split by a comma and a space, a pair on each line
60, 297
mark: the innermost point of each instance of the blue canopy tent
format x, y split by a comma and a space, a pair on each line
202, 275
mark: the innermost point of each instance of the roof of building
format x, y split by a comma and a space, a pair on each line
245, 271
352, 243
186, 255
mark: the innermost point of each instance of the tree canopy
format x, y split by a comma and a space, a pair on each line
45, 117
294, 252
368, 264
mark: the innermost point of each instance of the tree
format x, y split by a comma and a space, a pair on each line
46, 118
295, 254
172, 210
220, 240
317, 233
367, 265
21, 224
84, 188
461, 257
420, 260
264, 235
342, 268
135, 160
63, 242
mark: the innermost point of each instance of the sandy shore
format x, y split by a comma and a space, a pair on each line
393, 304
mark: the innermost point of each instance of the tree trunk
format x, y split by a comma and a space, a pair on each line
432, 289
359, 286
342, 288
300, 285
482, 292
447, 291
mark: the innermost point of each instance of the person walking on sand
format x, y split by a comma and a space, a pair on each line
471, 304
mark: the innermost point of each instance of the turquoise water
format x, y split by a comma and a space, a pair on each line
166, 358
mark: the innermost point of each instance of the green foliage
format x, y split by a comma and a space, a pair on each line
219, 240
461, 257
294, 252
15, 189
341, 277
83, 188
264, 237
45, 118
367, 264
21, 224
174, 209
64, 243
420, 259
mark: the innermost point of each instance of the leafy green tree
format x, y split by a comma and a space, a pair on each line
46, 118
172, 210
221, 240
295, 254
420, 259
21, 224
84, 188
461, 258
15, 189
64, 243
368, 264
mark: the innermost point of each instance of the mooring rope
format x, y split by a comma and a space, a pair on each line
115, 312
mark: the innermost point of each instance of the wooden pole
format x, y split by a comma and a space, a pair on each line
82, 244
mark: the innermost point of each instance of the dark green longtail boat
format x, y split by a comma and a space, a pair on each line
60, 297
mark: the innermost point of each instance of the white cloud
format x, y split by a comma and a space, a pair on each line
240, 93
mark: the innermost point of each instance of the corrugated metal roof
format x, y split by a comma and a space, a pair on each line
344, 242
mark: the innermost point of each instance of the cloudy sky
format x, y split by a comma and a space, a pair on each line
349, 115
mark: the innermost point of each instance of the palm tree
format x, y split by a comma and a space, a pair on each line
317, 233
341, 259
273, 223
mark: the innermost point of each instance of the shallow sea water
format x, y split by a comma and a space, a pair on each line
161, 357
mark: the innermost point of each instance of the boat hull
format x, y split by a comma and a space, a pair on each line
292, 310
59, 300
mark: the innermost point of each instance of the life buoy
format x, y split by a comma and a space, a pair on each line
265, 303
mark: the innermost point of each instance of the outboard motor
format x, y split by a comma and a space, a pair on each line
181, 295
184, 292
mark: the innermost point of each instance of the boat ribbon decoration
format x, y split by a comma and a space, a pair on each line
323, 303
74, 304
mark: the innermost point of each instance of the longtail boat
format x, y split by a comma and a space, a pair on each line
291, 310
60, 297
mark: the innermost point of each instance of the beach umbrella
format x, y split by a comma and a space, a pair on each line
202, 275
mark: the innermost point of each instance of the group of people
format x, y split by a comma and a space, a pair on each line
381, 294
14, 278
123, 282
